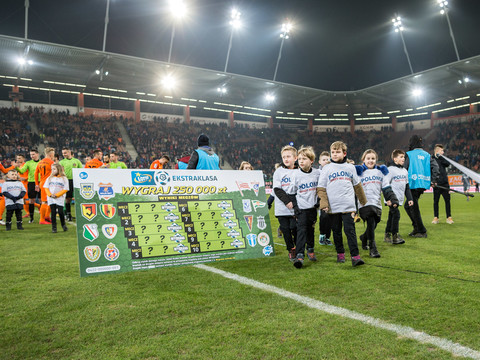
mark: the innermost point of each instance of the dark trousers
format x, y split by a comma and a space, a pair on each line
393, 220
57, 208
324, 224
436, 198
18, 215
288, 225
336, 221
306, 220
414, 212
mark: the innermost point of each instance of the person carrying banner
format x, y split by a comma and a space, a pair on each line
444, 187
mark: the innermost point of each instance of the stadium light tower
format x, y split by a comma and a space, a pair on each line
286, 27
235, 24
27, 5
178, 10
444, 11
106, 25
397, 24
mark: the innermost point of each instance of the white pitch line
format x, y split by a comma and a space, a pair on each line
404, 331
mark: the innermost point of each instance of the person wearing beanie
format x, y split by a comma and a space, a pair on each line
204, 158
423, 172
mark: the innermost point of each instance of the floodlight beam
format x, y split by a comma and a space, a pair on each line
171, 43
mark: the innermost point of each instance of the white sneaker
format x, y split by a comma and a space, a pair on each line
2, 222
449, 220
435, 220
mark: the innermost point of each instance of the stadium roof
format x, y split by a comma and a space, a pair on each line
74, 69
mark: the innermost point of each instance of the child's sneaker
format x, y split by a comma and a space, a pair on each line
328, 242
397, 240
64, 227
449, 220
388, 238
311, 255
291, 254
357, 261
435, 220
298, 263
363, 239
341, 258
2, 222
321, 239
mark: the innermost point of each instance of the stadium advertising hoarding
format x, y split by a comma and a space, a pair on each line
130, 220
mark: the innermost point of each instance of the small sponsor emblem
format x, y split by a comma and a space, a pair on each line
258, 204
268, 250
90, 231
261, 224
142, 178
105, 191
87, 191
233, 233
161, 178
171, 217
177, 238
174, 227
224, 204
263, 239
236, 243
109, 230
255, 187
180, 248
247, 207
92, 252
108, 210
111, 252
83, 175
249, 221
89, 211
252, 239
242, 186
227, 214
169, 207
230, 224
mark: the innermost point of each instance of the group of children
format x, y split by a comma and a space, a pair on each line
339, 190
54, 186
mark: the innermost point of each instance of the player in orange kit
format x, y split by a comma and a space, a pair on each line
160, 163
44, 169
96, 161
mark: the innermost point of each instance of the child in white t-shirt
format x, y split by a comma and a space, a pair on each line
56, 187
337, 187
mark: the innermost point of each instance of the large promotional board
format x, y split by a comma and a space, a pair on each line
131, 220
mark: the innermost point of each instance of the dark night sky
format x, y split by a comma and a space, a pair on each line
335, 45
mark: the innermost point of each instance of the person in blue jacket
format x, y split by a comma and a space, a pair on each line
422, 173
204, 158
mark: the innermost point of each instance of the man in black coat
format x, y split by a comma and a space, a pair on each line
444, 186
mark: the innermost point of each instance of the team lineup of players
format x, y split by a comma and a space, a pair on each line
49, 180
339, 189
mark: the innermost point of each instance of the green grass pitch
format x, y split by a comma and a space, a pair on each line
432, 285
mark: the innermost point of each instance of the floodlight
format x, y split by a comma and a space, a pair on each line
169, 82
106, 73
270, 97
235, 19
444, 11
397, 24
178, 8
22, 61
97, 72
222, 90
417, 92
466, 79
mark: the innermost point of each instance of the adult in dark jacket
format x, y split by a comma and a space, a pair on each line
444, 186
204, 158
422, 173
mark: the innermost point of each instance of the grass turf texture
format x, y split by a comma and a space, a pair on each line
432, 285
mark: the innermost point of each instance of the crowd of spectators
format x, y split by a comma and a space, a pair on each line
259, 146
461, 141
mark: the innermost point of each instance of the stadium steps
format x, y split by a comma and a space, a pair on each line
34, 129
128, 142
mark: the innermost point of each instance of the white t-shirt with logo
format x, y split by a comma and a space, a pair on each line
284, 179
56, 184
373, 181
339, 180
306, 185
398, 179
